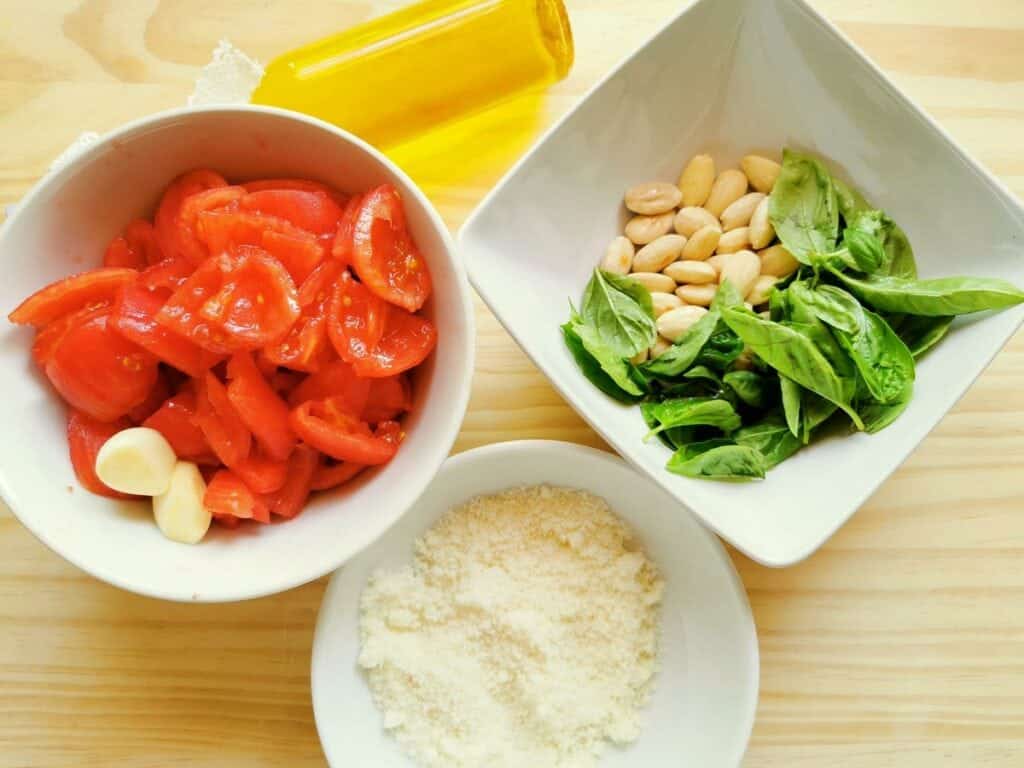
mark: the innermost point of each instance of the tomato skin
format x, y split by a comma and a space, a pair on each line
407, 341
141, 237
388, 397
289, 500
165, 222
220, 423
47, 337
299, 255
384, 254
134, 318
69, 294
335, 380
157, 395
327, 426
120, 254
86, 436
260, 474
175, 420
306, 185
311, 211
258, 406
355, 319
192, 248
234, 302
99, 372
168, 274
341, 248
306, 347
228, 496
329, 476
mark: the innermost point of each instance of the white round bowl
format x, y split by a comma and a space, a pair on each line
62, 227
702, 708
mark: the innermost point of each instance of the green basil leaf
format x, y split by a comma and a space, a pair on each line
695, 411
932, 298
831, 305
791, 403
619, 310
726, 296
877, 416
866, 248
703, 372
681, 355
793, 354
899, 256
722, 348
771, 437
719, 462
922, 333
672, 438
882, 359
815, 411
592, 369
750, 387
803, 207
613, 365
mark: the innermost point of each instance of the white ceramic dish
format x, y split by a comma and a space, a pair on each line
730, 77
702, 709
62, 227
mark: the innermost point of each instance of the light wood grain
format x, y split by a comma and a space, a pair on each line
899, 643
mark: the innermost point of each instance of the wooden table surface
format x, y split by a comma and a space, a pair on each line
900, 643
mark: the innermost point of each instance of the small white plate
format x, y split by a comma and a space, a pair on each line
702, 709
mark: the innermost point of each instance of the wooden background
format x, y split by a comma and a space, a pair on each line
900, 643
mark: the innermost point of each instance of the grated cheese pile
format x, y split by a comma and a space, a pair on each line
523, 634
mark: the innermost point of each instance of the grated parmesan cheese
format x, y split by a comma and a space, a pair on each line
524, 634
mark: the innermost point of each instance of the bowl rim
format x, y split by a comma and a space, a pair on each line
568, 451
58, 175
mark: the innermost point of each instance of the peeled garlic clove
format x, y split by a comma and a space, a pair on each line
137, 460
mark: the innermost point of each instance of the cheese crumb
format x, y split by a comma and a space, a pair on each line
524, 634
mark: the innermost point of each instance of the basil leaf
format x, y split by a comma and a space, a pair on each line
610, 363
793, 354
721, 349
831, 305
726, 296
619, 310
681, 355
672, 438
791, 404
899, 256
815, 411
695, 411
882, 359
933, 298
771, 438
720, 462
592, 369
922, 333
803, 207
867, 250
877, 416
703, 372
750, 387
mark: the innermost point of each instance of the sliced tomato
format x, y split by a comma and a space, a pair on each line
283, 382
161, 391
262, 474
341, 248
48, 336
234, 302
355, 319
407, 341
306, 185
384, 254
98, 286
134, 318
192, 248
388, 397
312, 211
175, 420
86, 436
258, 405
141, 237
391, 431
168, 274
224, 230
100, 372
330, 474
336, 380
227, 495
120, 254
306, 347
289, 500
299, 255
328, 426
168, 231
223, 428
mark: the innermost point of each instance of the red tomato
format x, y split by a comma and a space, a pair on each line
228, 496
86, 436
289, 500
311, 211
70, 294
175, 420
384, 254
306, 347
328, 426
283, 382
261, 474
161, 391
100, 372
391, 431
234, 302
120, 254
48, 336
134, 318
169, 274
192, 248
220, 423
330, 475
141, 237
260, 409
336, 380
168, 230
304, 184
341, 249
225, 230
406, 342
355, 319
299, 255
388, 397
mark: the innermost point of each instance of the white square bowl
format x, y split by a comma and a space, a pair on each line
730, 77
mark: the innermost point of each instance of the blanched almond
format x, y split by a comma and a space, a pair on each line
644, 229
702, 244
735, 240
761, 230
655, 282
761, 171
738, 214
697, 272
657, 255
696, 180
660, 347
618, 257
717, 261
664, 302
777, 261
639, 357
700, 295
689, 220
653, 197
672, 325
729, 187
741, 269
762, 289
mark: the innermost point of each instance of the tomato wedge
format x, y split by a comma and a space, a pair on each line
312, 211
291, 498
227, 495
86, 436
47, 337
70, 294
141, 237
355, 319
406, 342
120, 254
134, 318
234, 302
388, 397
336, 380
161, 391
328, 426
341, 249
100, 372
306, 185
169, 273
192, 248
330, 474
384, 254
168, 231
299, 255
220, 423
258, 406
306, 347
260, 474
175, 420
